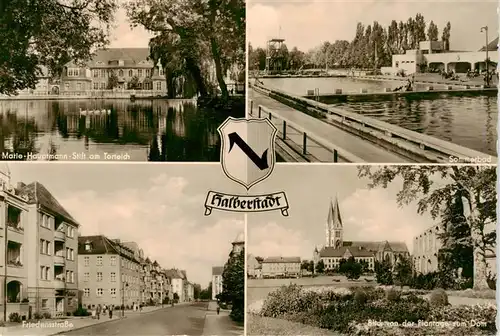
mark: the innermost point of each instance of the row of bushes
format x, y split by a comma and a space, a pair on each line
344, 312
16, 317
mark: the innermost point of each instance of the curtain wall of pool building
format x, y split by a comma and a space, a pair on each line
141, 130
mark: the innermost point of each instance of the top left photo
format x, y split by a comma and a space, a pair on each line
119, 80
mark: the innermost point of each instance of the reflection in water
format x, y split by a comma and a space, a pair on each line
469, 121
157, 130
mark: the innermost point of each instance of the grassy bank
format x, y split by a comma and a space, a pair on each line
267, 326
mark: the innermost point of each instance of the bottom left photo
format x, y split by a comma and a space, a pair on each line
128, 249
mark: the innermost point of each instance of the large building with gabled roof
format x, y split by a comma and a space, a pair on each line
127, 64
336, 248
49, 254
110, 272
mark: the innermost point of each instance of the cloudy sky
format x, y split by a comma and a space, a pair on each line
159, 206
122, 36
367, 214
306, 24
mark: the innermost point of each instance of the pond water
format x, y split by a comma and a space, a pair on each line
467, 121
144, 130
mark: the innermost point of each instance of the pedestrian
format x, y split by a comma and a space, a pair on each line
111, 307
98, 312
218, 309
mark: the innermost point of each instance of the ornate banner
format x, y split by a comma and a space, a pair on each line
246, 203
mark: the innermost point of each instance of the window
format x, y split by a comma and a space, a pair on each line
76, 72
96, 86
147, 72
70, 232
160, 71
103, 73
99, 261
86, 292
70, 72
120, 73
112, 291
72, 254
130, 73
113, 277
158, 86
96, 73
44, 247
103, 85
139, 73
45, 303
44, 272
99, 291
99, 276
113, 260
86, 276
86, 261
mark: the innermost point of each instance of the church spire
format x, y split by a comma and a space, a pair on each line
334, 218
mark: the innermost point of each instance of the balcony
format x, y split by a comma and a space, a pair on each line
59, 260
60, 235
58, 282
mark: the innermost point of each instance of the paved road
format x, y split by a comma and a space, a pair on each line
193, 319
363, 149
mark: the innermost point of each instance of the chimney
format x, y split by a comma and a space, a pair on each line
20, 185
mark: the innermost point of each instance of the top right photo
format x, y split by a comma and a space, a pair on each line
376, 81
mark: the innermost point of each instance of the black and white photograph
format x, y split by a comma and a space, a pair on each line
93, 255
119, 80
375, 250
391, 81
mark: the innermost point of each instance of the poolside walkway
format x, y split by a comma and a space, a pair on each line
363, 149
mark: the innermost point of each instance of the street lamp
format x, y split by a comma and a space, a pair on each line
485, 30
125, 285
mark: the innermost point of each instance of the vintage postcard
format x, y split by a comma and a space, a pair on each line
107, 80
93, 255
376, 81
375, 250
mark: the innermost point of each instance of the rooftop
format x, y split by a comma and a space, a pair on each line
281, 260
38, 194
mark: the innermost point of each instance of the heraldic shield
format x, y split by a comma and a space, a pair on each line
247, 149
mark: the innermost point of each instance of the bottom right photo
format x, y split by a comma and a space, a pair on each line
374, 250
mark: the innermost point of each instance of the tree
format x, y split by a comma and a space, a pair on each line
233, 285
432, 32
311, 267
203, 33
445, 37
176, 297
435, 186
383, 272
48, 33
320, 266
197, 291
350, 268
112, 81
134, 83
403, 271
206, 294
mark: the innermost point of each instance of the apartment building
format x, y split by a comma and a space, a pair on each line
280, 266
217, 281
126, 65
51, 239
157, 284
178, 280
109, 272
13, 249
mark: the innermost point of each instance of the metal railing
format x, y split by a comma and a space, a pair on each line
431, 148
311, 147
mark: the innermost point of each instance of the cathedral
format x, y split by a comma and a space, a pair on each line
336, 248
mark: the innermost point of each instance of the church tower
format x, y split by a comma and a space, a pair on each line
334, 229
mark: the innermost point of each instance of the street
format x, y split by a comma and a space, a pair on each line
192, 319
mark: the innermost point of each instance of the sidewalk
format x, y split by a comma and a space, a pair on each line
58, 326
55, 326
221, 325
